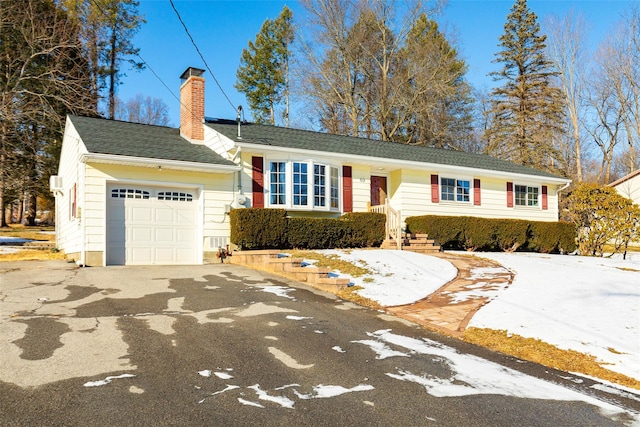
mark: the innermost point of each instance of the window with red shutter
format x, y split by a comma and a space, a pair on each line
509, 194
476, 192
435, 190
257, 177
347, 189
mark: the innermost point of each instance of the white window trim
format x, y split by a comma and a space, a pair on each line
456, 178
310, 185
538, 206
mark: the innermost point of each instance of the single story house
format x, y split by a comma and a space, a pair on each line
130, 193
629, 186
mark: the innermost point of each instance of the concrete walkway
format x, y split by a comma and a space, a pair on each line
450, 308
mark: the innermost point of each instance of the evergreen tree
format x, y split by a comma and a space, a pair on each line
107, 30
441, 115
263, 72
527, 110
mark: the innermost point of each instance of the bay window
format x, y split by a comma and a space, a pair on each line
277, 174
300, 184
304, 185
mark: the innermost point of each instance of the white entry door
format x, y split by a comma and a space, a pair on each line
151, 225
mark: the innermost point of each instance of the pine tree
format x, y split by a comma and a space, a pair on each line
263, 72
527, 110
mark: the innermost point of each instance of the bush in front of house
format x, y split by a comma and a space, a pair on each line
366, 229
271, 229
258, 228
486, 234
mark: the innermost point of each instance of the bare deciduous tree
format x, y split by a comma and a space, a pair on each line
379, 70
142, 109
43, 77
566, 47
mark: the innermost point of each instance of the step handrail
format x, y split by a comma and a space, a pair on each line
393, 223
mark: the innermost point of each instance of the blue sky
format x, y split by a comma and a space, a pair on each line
221, 29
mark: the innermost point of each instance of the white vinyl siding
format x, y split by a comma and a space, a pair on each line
410, 192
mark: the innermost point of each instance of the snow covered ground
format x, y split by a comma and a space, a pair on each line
591, 305
5, 241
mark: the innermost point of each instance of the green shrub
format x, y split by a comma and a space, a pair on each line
485, 234
367, 229
314, 233
477, 233
447, 231
258, 228
549, 237
511, 234
271, 229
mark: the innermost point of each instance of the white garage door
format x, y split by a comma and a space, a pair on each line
149, 225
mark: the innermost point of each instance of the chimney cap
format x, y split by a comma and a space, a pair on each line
191, 72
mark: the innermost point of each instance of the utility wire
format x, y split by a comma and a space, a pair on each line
200, 53
146, 64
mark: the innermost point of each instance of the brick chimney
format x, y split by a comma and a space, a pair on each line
192, 105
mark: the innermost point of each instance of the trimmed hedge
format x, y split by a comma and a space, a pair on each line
484, 234
271, 229
258, 228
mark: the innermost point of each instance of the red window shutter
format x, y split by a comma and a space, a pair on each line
476, 192
545, 200
347, 189
257, 177
509, 194
435, 190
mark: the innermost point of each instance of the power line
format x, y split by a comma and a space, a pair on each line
146, 64
200, 53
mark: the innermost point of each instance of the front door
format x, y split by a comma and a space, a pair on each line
378, 190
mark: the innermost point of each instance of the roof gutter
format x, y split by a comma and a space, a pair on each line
157, 163
405, 163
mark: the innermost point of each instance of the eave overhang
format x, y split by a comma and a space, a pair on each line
157, 163
389, 165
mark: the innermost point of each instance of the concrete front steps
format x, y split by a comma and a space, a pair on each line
419, 243
273, 261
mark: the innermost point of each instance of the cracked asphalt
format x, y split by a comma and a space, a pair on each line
226, 345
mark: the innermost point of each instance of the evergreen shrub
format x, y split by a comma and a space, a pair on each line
271, 229
258, 228
486, 234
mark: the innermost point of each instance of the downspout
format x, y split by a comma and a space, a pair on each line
564, 187
83, 226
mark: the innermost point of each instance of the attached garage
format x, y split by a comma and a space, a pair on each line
152, 225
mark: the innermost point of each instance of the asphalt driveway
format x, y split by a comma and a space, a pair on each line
226, 345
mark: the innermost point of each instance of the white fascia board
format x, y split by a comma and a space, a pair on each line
154, 163
394, 164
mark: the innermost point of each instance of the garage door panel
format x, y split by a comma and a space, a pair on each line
164, 235
151, 226
141, 235
164, 215
166, 256
141, 214
184, 235
140, 256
